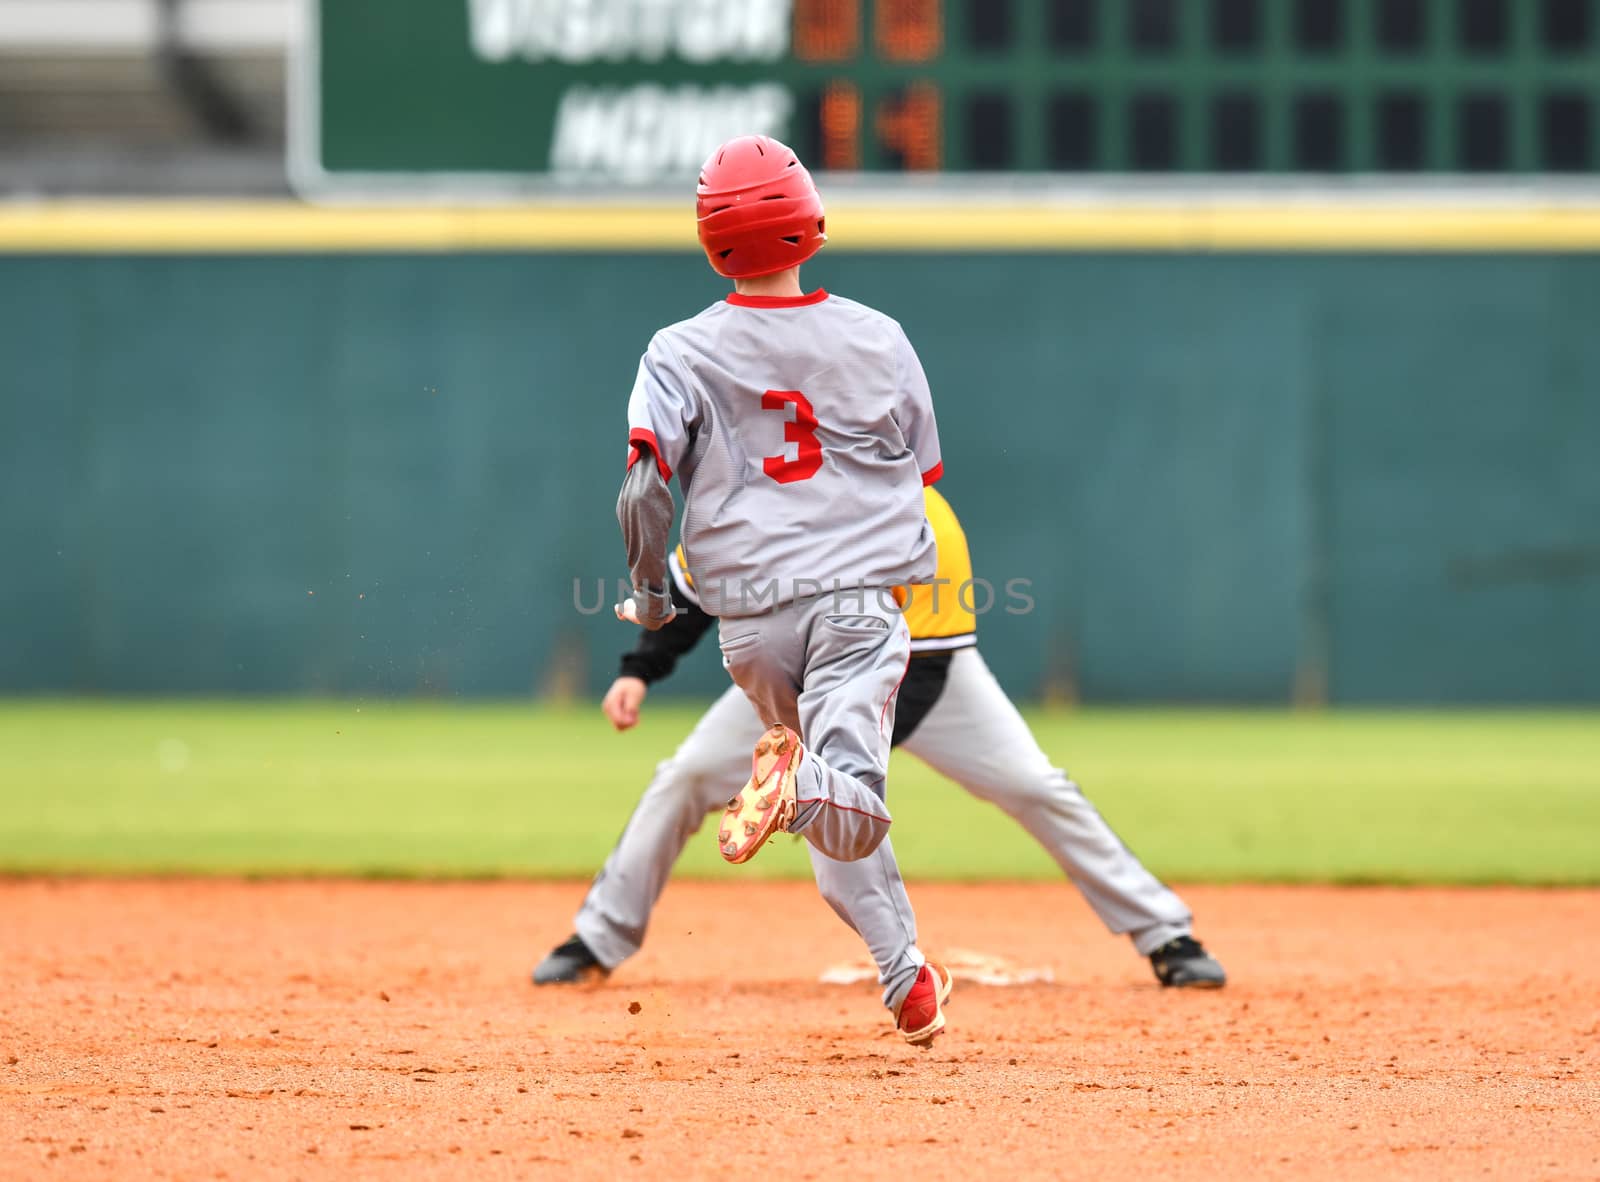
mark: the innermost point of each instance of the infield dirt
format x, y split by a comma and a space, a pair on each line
213, 1029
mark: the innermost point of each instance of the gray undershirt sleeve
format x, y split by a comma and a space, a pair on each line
644, 510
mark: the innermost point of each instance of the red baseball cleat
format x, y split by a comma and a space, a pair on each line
921, 1013
766, 804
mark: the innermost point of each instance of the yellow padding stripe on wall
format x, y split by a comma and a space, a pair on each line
285, 227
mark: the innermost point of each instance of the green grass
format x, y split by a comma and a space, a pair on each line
474, 790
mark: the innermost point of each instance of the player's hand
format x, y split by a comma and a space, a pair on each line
622, 701
628, 612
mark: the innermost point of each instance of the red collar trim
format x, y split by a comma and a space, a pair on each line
750, 301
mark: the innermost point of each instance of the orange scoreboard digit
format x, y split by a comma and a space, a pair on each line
877, 103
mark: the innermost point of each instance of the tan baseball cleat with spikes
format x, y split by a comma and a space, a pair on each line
767, 803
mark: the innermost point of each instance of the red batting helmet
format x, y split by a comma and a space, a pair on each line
758, 208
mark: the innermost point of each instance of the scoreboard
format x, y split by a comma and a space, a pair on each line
452, 94
612, 92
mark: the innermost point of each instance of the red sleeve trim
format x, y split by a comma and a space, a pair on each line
754, 301
932, 475
643, 435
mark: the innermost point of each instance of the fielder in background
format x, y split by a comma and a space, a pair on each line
953, 716
802, 432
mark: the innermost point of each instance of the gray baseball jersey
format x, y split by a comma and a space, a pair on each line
801, 431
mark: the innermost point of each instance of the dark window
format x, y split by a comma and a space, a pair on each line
1482, 144
1402, 132
1071, 119
806, 127
1153, 24
992, 23
1566, 27
1072, 24
1236, 132
1483, 25
1236, 24
1318, 133
989, 131
1153, 131
1564, 132
1319, 25
1402, 24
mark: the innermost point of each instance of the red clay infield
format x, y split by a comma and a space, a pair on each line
356, 1030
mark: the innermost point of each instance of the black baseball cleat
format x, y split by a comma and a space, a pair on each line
1183, 963
569, 964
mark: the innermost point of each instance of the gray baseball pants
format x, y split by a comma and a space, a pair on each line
975, 736
827, 668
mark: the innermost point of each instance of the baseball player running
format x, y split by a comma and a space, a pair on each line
802, 433
952, 714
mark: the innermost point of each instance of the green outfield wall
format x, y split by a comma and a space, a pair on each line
1368, 478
